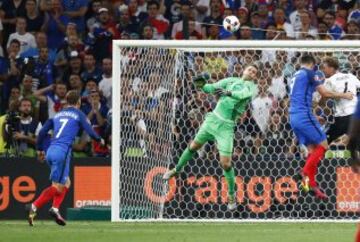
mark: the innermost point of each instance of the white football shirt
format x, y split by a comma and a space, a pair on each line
343, 82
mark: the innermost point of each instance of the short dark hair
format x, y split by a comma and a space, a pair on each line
25, 99
307, 59
72, 97
153, 3
330, 12
15, 41
332, 62
60, 83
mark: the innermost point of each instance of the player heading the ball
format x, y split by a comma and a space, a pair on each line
303, 122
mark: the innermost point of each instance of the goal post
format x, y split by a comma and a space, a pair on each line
157, 111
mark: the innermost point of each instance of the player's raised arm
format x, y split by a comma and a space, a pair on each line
49, 124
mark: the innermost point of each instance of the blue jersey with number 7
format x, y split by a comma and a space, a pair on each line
66, 125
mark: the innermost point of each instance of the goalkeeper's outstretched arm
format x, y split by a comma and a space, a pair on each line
211, 87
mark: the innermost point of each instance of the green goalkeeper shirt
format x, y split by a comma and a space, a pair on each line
230, 108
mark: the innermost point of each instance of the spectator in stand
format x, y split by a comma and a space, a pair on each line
279, 20
15, 95
41, 42
137, 13
9, 12
306, 28
105, 85
156, 20
34, 18
26, 39
100, 39
213, 31
245, 32
75, 11
256, 32
353, 30
26, 91
44, 72
90, 70
93, 18
55, 24
147, 32
75, 83
128, 24
334, 30
96, 113
54, 95
29, 128
74, 67
186, 16
193, 33
71, 30
271, 32
90, 85
215, 17
323, 31
300, 5
263, 13
243, 15
262, 106
12, 67
64, 52
341, 16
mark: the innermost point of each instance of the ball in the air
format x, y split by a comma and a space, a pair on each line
231, 23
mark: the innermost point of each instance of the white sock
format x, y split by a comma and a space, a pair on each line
55, 209
33, 207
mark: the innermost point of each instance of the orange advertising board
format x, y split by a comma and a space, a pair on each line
347, 190
92, 186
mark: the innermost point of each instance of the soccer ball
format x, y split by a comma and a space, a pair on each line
231, 23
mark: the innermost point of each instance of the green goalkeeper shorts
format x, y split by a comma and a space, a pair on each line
213, 128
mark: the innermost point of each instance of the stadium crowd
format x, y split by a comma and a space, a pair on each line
50, 46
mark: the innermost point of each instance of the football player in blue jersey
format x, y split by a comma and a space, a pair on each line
303, 122
65, 125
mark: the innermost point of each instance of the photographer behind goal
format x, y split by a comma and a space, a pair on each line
20, 130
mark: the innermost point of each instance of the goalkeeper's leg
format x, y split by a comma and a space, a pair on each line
201, 138
229, 174
184, 159
225, 141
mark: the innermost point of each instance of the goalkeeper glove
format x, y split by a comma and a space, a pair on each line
200, 80
221, 92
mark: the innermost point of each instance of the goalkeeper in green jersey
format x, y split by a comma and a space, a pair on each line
234, 95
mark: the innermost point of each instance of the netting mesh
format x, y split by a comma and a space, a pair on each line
161, 111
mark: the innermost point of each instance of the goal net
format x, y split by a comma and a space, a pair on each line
157, 111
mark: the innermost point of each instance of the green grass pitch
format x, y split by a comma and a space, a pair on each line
48, 231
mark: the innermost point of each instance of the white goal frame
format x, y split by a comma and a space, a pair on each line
188, 44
